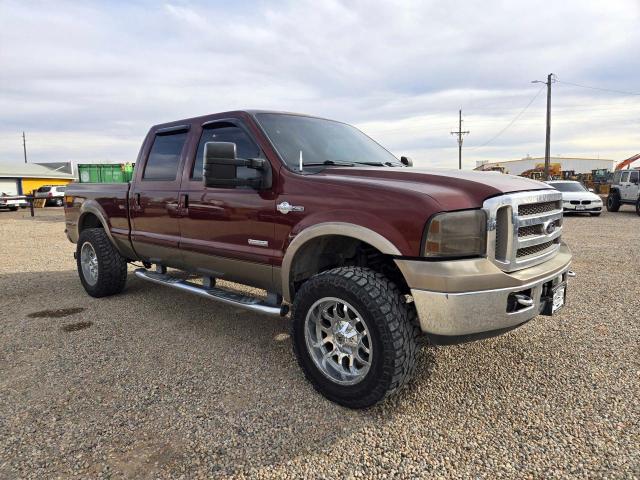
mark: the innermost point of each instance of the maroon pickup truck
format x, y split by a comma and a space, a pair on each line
369, 252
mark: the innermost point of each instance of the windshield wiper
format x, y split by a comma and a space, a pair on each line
382, 164
329, 162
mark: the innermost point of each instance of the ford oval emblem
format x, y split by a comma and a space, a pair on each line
550, 228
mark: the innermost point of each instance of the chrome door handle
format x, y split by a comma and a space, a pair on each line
286, 207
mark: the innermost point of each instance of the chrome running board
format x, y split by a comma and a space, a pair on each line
213, 293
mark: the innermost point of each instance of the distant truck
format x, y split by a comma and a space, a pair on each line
625, 189
368, 252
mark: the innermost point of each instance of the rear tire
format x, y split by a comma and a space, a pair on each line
58, 202
372, 307
102, 270
613, 201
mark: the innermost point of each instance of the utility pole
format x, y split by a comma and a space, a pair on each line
24, 147
547, 146
460, 133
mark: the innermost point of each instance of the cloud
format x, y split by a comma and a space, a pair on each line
87, 80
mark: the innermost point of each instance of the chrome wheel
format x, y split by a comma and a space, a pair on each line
338, 341
89, 263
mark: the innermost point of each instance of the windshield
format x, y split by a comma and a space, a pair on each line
568, 187
321, 141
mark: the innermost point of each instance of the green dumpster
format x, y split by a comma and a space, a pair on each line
105, 172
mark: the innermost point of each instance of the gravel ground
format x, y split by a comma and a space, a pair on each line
156, 383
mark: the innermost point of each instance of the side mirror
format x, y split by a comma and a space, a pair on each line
406, 161
592, 190
221, 166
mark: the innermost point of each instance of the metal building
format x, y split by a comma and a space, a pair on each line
24, 178
516, 167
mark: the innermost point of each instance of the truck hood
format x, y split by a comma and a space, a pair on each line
451, 189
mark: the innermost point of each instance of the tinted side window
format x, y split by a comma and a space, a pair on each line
224, 132
164, 157
616, 177
625, 177
634, 176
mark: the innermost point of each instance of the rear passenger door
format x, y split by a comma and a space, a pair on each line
155, 197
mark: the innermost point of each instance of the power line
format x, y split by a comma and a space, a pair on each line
515, 119
597, 88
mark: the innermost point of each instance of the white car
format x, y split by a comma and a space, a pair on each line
12, 202
576, 198
54, 194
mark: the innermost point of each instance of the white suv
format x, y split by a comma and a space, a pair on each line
625, 188
53, 193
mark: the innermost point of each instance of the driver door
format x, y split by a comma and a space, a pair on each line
632, 187
227, 232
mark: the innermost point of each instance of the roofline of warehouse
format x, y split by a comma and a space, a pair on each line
43, 175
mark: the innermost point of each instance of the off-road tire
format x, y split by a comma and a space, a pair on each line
613, 201
112, 267
392, 326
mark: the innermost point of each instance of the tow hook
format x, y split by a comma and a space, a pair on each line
524, 300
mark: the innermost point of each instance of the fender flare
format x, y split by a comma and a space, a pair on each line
343, 229
93, 207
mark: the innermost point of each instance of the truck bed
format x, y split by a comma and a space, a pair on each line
89, 202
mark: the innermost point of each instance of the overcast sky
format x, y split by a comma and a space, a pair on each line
86, 80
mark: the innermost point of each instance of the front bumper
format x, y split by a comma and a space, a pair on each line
593, 207
459, 302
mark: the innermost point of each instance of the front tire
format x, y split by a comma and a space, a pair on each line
58, 202
353, 336
613, 201
102, 270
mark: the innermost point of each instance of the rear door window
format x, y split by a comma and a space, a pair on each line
44, 189
164, 157
625, 177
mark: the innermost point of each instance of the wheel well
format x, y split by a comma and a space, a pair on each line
331, 251
89, 220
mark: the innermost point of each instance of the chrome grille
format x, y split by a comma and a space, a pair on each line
524, 228
532, 250
538, 208
534, 229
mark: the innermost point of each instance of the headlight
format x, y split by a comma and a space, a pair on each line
456, 234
